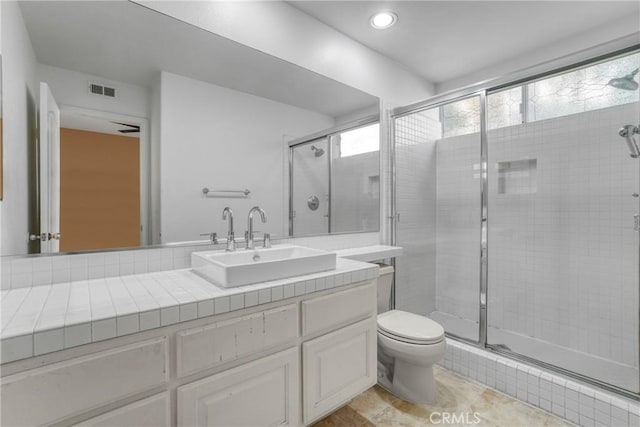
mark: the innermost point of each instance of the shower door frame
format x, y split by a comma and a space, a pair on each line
400, 112
602, 53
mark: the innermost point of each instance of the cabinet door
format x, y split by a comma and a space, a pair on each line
265, 392
63, 390
337, 367
153, 411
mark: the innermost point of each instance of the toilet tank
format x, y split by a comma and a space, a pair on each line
385, 280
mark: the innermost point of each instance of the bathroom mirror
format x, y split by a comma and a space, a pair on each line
335, 180
1, 137
138, 114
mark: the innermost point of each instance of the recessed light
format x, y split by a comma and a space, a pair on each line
382, 20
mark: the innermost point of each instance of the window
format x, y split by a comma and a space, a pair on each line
359, 141
572, 92
581, 90
504, 108
461, 117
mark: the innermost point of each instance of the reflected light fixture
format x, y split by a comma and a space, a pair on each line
382, 20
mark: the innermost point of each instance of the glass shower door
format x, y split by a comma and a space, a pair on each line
563, 253
438, 202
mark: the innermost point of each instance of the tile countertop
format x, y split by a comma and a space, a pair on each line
43, 319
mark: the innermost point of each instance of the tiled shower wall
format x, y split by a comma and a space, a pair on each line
355, 193
416, 136
458, 208
563, 255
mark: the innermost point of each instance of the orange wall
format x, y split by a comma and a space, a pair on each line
99, 190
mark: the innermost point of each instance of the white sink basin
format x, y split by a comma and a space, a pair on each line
244, 267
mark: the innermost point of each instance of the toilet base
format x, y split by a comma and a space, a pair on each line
414, 383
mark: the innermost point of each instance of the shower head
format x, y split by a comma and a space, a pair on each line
627, 133
317, 151
627, 82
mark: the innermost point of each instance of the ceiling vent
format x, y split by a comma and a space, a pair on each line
102, 90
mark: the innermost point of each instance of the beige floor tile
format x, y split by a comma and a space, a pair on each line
343, 417
503, 411
456, 395
373, 401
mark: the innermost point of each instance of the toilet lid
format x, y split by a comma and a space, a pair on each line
410, 327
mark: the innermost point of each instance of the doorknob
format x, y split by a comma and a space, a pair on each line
44, 237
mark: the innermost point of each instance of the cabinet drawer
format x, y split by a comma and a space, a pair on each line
61, 390
154, 411
265, 392
212, 345
338, 309
337, 367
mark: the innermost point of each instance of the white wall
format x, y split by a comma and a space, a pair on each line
358, 114
285, 32
18, 81
220, 138
71, 88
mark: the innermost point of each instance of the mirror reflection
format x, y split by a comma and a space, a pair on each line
120, 116
335, 181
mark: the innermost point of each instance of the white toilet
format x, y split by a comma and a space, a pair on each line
408, 346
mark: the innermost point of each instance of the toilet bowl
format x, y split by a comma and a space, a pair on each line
408, 347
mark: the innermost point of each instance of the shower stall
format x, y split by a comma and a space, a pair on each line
517, 207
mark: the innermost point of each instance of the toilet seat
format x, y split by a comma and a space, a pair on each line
409, 328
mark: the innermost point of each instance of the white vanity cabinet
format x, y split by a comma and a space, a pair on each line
154, 411
288, 362
340, 364
263, 392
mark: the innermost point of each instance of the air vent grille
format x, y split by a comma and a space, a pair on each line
98, 89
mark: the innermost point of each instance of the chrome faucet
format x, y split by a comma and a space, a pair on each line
231, 241
249, 233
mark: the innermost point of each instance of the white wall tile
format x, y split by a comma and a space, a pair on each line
236, 302
578, 403
48, 341
103, 329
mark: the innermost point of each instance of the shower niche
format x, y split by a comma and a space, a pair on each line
517, 176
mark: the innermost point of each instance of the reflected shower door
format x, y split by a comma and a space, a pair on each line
310, 187
438, 202
355, 179
563, 253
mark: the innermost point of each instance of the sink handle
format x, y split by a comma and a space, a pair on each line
267, 240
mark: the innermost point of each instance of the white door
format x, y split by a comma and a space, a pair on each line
49, 123
265, 392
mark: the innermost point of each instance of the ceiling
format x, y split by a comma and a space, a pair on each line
126, 42
446, 40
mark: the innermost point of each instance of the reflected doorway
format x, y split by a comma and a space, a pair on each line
99, 183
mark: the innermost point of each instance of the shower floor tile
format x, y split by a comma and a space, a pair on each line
467, 403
